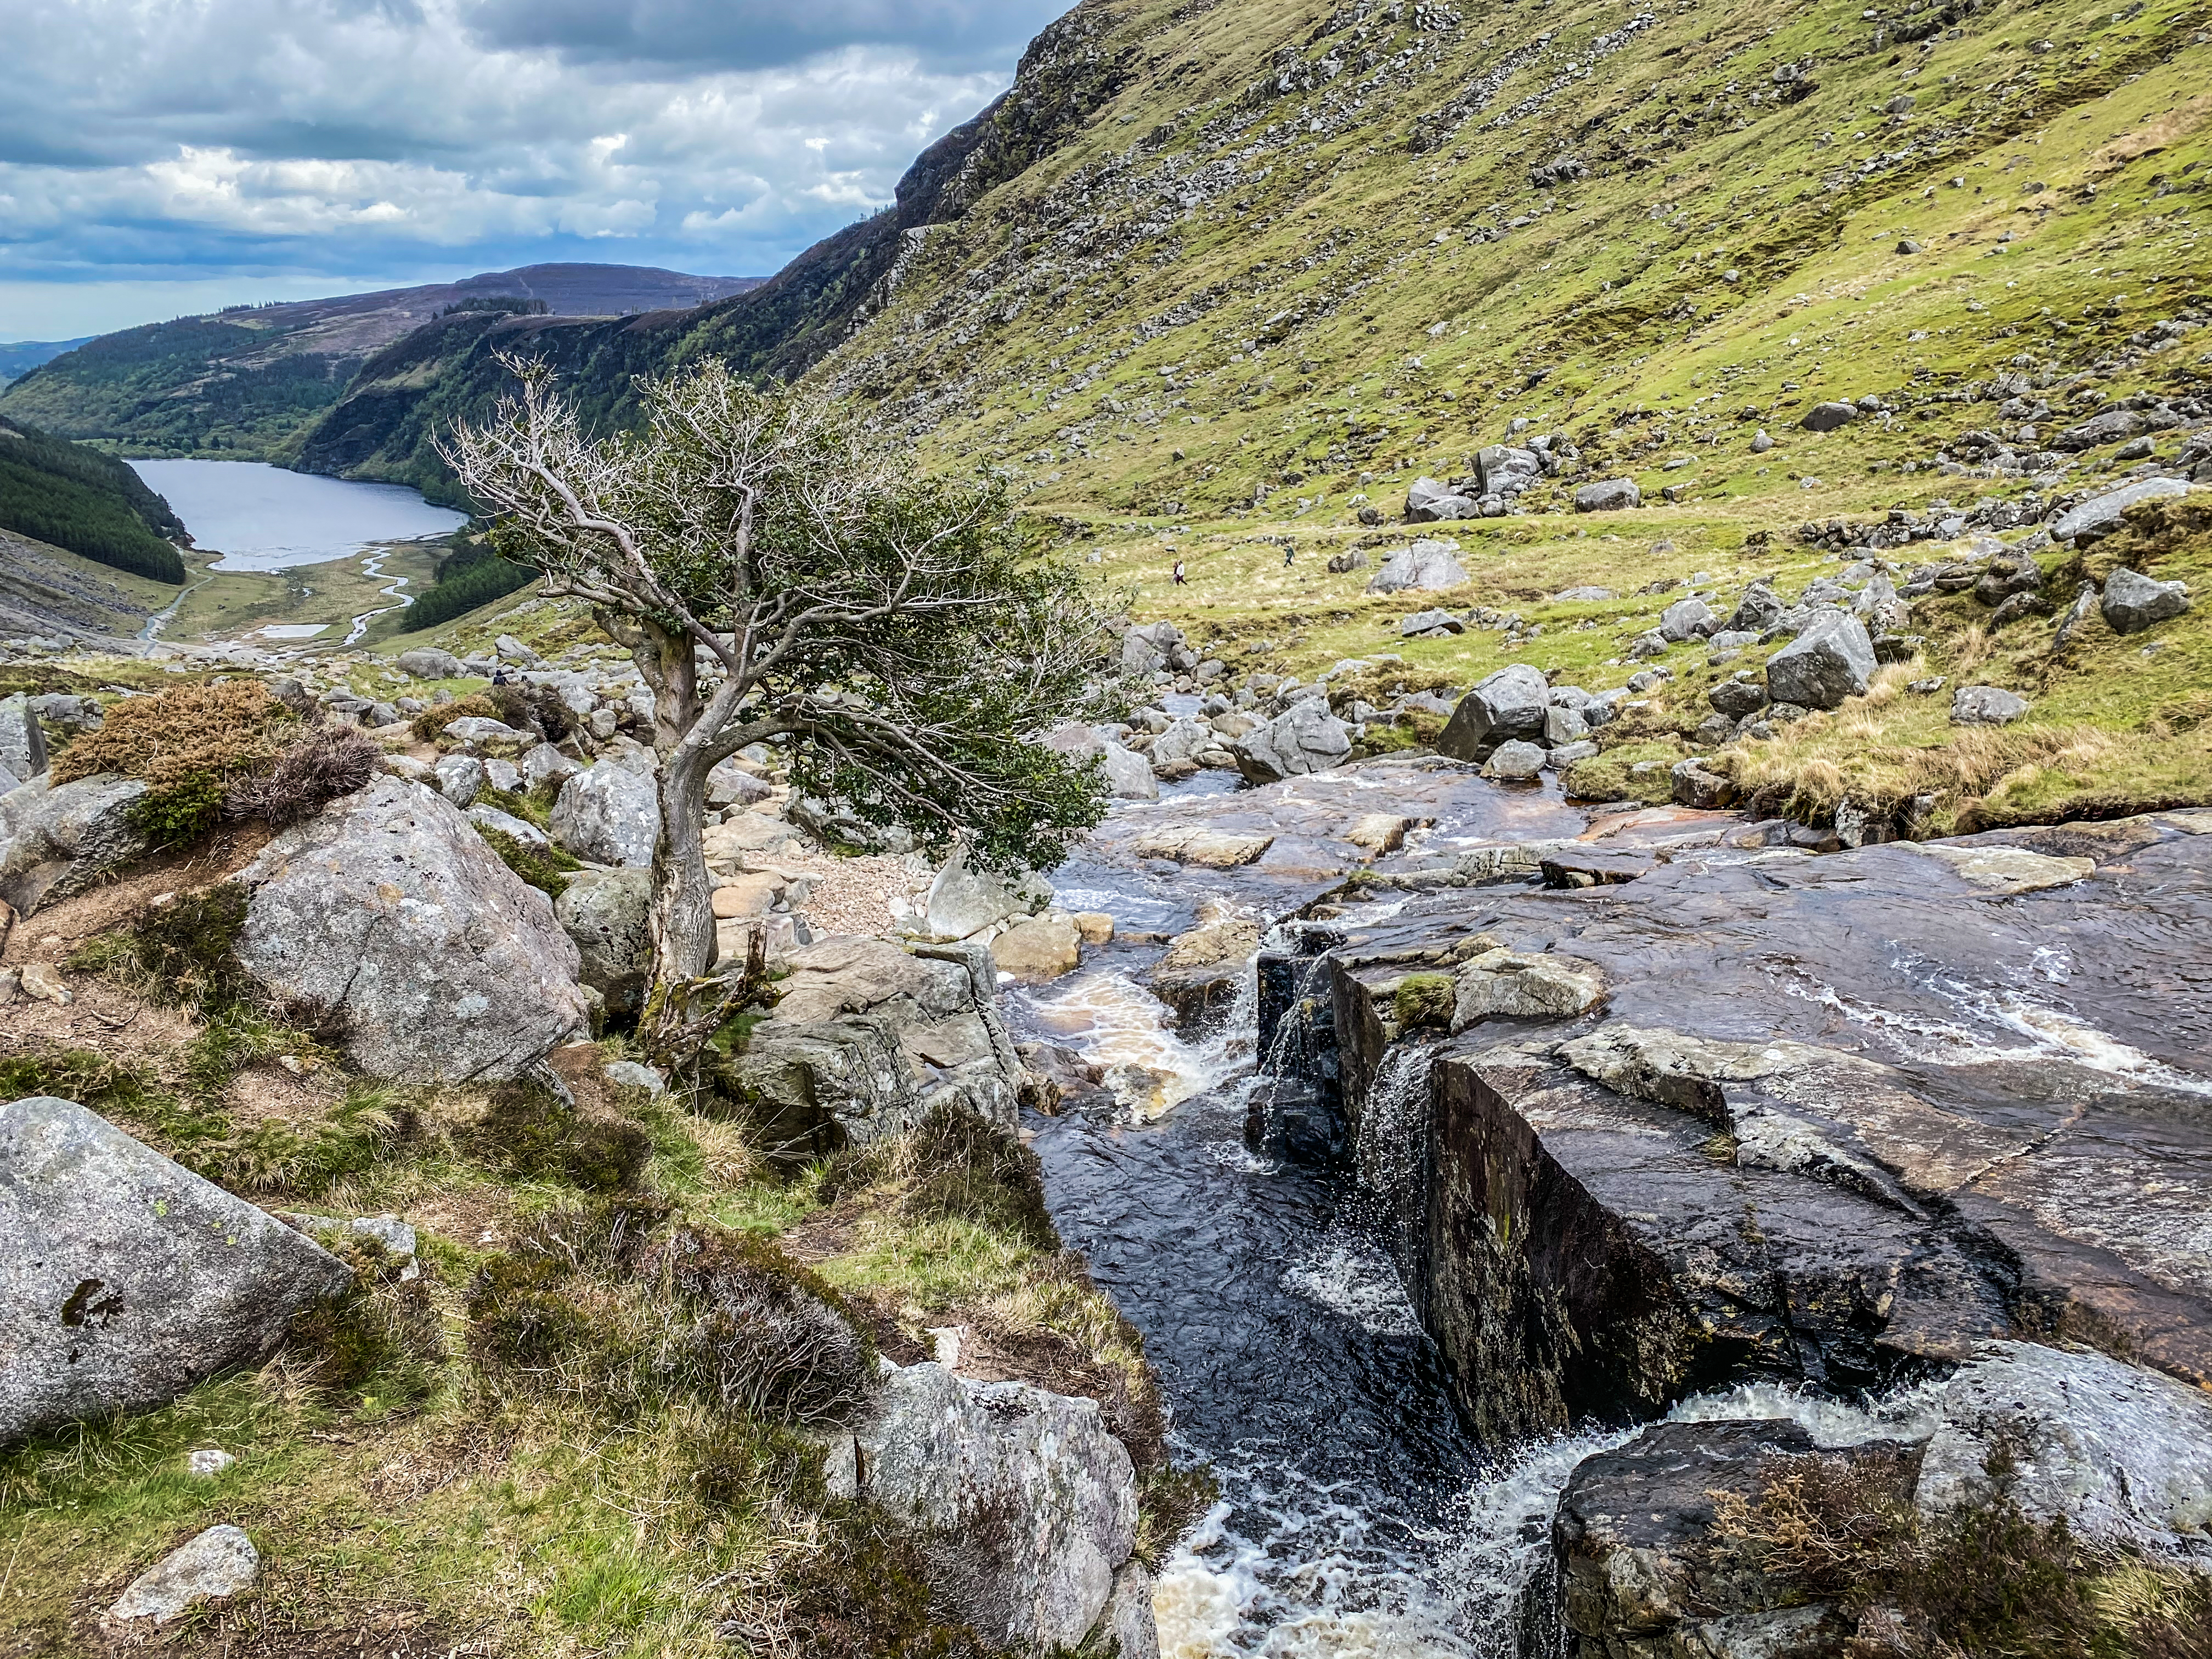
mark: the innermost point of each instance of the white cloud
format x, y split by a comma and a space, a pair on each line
261, 142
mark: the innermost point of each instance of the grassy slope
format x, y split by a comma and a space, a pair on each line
1335, 331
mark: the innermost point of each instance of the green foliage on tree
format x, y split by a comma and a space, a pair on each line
86, 502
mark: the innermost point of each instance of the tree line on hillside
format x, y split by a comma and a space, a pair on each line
85, 502
470, 576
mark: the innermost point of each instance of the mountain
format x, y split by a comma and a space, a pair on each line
19, 357
87, 502
241, 383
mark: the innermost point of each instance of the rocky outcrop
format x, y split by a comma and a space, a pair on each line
1423, 567
1203, 969
608, 814
1832, 660
126, 1278
1508, 704
1026, 1504
1305, 738
56, 841
389, 917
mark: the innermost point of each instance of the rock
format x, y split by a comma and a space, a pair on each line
1352, 559
1034, 1502
480, 733
2133, 602
1986, 705
1505, 984
1609, 495
963, 903
1205, 967
55, 842
429, 663
490, 817
206, 1464
543, 764
1508, 704
1095, 926
1692, 783
510, 649
1830, 660
1827, 417
2109, 427
1687, 619
1737, 698
608, 915
1128, 774
1194, 844
1175, 752
1423, 566
43, 981
388, 916
731, 784
1076, 741
1039, 950
1304, 738
1515, 761
389, 1232
628, 1074
459, 778
2121, 1455
1154, 649
1580, 595
1997, 868
2101, 516
1128, 1616
126, 1278
219, 1563
608, 814
1422, 622
1428, 501
23, 740
1761, 443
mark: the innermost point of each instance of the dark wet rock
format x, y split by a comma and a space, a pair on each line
126, 1278
1203, 969
1692, 783
1832, 660
1508, 704
55, 841
388, 916
1594, 866
1737, 698
2133, 601
1632, 1542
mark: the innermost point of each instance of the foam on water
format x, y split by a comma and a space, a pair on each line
1351, 1274
1114, 1023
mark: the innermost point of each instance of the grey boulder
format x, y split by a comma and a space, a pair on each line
1128, 774
126, 1278
1423, 623
1030, 1502
2101, 516
1425, 567
23, 740
429, 663
1427, 502
1515, 762
460, 779
219, 1563
1827, 417
1305, 738
2133, 601
543, 764
1507, 704
608, 915
1832, 660
1685, 619
1609, 495
481, 733
608, 814
56, 842
1986, 705
388, 916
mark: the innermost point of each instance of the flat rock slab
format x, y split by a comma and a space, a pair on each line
126, 1278
219, 1563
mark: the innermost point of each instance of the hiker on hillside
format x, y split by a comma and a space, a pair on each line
1179, 580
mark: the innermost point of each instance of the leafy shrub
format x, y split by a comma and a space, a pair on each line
772, 1340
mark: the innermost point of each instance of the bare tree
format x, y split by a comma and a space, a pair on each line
777, 576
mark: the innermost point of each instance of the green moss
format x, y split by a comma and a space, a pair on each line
1424, 999
542, 867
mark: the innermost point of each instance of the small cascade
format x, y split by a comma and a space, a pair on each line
1297, 1110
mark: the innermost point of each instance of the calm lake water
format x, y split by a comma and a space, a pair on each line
262, 517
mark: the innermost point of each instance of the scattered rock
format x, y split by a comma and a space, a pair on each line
628, 1074
1423, 567
1503, 984
481, 735
1986, 705
459, 778
22, 741
1039, 950
219, 1563
1515, 762
2101, 515
1305, 738
1194, 844
963, 901
608, 814
126, 1278
1687, 619
1427, 623
2133, 601
55, 842
1609, 495
1508, 704
608, 915
1095, 927
206, 1464
1834, 658
1692, 783
429, 663
1828, 417
1128, 774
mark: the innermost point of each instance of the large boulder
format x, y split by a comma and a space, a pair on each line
608, 915
1687, 619
389, 917
1830, 660
1305, 738
1128, 774
1828, 417
1986, 705
1423, 567
2101, 515
56, 842
2132, 601
22, 741
1507, 704
428, 662
126, 1278
1609, 495
963, 901
1040, 948
1428, 501
1027, 1504
608, 814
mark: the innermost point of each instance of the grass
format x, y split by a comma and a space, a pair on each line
232, 604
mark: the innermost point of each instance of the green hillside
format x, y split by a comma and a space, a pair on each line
89, 503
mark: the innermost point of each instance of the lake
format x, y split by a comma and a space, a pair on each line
262, 517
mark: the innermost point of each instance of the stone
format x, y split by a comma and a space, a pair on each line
1758, 609
1503, 984
1195, 844
1428, 501
388, 917
43, 981
480, 733
1425, 566
1034, 1502
126, 1278
749, 895
1426, 623
1609, 495
1342, 565
1039, 950
1128, 774
219, 1563
1515, 761
1986, 705
2132, 601
628, 1074
1737, 698
1687, 619
510, 649
1095, 926
429, 663
1580, 595
1305, 738
55, 841
1507, 704
1827, 417
1692, 783
1997, 868
1175, 752
208, 1462
1564, 726
459, 778
2121, 1455
544, 764
963, 901
1834, 658
490, 817
730, 785
2101, 515
607, 915
1761, 442
1127, 1619
2108, 428
608, 814
23, 740
388, 1231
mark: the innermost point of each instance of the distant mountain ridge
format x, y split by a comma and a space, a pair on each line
19, 357
243, 383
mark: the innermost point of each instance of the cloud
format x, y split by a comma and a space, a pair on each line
272, 143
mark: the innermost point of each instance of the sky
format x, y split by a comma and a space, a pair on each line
160, 158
